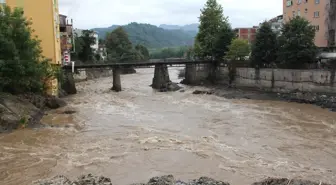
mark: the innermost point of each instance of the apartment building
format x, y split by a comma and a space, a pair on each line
66, 34
320, 13
44, 16
276, 23
248, 34
45, 23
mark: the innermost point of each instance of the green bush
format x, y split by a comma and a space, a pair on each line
238, 50
296, 43
22, 67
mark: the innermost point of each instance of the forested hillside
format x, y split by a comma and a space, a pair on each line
188, 27
152, 36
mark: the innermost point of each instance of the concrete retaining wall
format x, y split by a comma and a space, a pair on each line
281, 80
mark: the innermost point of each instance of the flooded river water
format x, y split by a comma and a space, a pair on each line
138, 133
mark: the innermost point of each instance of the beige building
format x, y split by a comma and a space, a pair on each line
321, 14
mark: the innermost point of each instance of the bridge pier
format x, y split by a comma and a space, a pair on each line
116, 79
161, 76
68, 84
190, 74
161, 79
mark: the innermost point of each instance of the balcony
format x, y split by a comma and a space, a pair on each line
62, 21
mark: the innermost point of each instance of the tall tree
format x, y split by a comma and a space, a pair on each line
223, 41
264, 49
296, 43
119, 47
78, 48
190, 53
143, 51
238, 49
87, 40
214, 31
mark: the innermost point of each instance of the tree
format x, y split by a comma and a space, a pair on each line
215, 32
143, 51
264, 50
101, 41
190, 53
223, 40
79, 43
118, 45
22, 66
238, 49
296, 43
177, 52
87, 40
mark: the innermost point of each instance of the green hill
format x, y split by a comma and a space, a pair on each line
152, 36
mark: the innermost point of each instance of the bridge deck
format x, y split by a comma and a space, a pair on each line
137, 64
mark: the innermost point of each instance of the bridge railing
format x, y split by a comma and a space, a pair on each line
140, 64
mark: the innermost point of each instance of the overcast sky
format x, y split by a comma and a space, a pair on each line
103, 13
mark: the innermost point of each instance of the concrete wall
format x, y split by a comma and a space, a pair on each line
280, 80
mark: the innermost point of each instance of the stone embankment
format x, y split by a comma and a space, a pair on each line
25, 110
323, 100
167, 180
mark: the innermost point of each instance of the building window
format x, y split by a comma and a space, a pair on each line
293, 13
332, 37
299, 1
306, 10
316, 14
298, 13
289, 3
317, 1
305, 1
317, 28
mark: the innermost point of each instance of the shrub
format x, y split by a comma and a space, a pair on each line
22, 66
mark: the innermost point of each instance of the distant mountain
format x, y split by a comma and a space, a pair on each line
188, 27
152, 36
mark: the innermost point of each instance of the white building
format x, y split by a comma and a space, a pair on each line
276, 23
95, 46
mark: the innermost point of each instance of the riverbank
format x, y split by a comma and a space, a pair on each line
25, 110
323, 100
168, 180
314, 87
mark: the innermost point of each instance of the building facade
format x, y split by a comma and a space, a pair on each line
248, 34
276, 23
45, 23
319, 13
66, 34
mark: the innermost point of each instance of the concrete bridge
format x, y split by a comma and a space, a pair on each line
161, 75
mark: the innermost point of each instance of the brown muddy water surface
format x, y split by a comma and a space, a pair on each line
138, 133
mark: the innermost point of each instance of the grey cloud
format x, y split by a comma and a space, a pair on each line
102, 13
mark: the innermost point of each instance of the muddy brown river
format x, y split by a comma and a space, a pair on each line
140, 133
